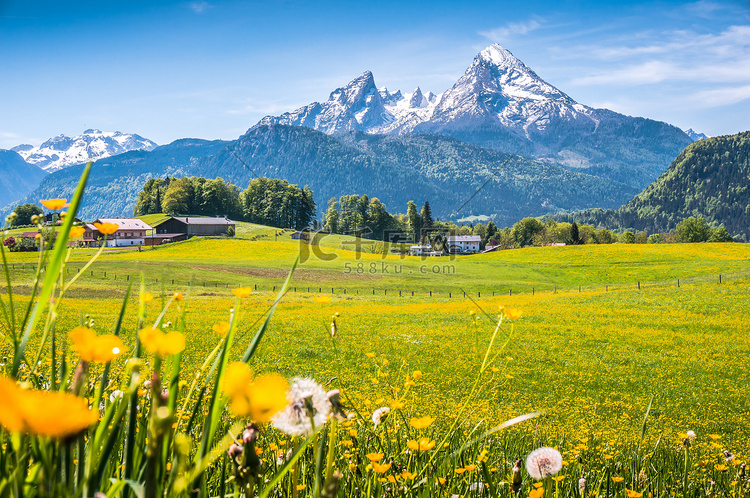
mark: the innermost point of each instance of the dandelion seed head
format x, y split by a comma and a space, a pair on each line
379, 415
294, 420
543, 462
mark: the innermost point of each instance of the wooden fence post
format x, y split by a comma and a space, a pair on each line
639, 285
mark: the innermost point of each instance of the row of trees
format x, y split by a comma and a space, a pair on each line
266, 201
369, 218
533, 232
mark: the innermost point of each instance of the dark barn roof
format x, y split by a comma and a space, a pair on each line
196, 220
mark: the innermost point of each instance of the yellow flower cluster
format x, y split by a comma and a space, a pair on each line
161, 344
39, 412
91, 347
260, 398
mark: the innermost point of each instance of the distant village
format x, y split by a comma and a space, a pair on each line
133, 232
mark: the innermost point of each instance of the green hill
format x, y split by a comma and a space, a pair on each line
709, 179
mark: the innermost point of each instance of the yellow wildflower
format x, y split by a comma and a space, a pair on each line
536, 493
512, 313
259, 399
38, 412
147, 297
76, 232
178, 296
374, 457
322, 299
633, 494
95, 348
421, 422
54, 204
161, 344
618, 479
380, 467
417, 374
397, 405
107, 228
221, 328
242, 291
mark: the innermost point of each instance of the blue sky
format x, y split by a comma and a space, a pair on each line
212, 69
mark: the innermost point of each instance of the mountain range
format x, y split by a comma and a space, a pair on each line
500, 137
63, 151
442, 170
502, 104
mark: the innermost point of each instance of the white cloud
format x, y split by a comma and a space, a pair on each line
506, 32
721, 96
677, 56
199, 7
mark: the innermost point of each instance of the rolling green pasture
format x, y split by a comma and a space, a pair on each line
590, 359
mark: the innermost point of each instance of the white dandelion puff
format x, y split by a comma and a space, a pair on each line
543, 462
307, 400
379, 415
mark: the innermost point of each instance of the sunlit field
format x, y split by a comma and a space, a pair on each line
615, 359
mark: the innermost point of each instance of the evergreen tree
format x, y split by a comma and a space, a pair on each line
331, 222
575, 237
414, 221
426, 215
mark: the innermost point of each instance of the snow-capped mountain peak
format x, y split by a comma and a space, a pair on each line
694, 135
62, 151
496, 88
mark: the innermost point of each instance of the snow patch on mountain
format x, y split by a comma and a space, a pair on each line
694, 135
63, 151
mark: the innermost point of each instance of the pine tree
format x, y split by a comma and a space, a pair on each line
331, 222
426, 215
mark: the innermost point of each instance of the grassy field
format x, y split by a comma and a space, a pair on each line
583, 356
606, 331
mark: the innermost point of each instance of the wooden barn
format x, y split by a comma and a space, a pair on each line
194, 226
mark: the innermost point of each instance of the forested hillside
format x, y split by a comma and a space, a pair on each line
709, 179
458, 179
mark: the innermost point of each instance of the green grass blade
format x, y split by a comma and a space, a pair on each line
262, 330
643, 426
53, 269
118, 326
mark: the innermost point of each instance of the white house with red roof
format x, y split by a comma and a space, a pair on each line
130, 232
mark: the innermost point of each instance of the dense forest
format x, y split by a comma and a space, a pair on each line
710, 179
266, 201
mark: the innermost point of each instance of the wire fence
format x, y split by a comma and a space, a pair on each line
438, 292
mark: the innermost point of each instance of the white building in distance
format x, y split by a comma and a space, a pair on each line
458, 244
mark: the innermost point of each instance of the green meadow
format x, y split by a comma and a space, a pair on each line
608, 338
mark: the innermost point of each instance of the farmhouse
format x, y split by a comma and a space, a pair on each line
130, 232
300, 236
419, 250
194, 226
458, 244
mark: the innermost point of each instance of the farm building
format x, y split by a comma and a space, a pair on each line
194, 226
463, 243
300, 236
164, 238
130, 232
